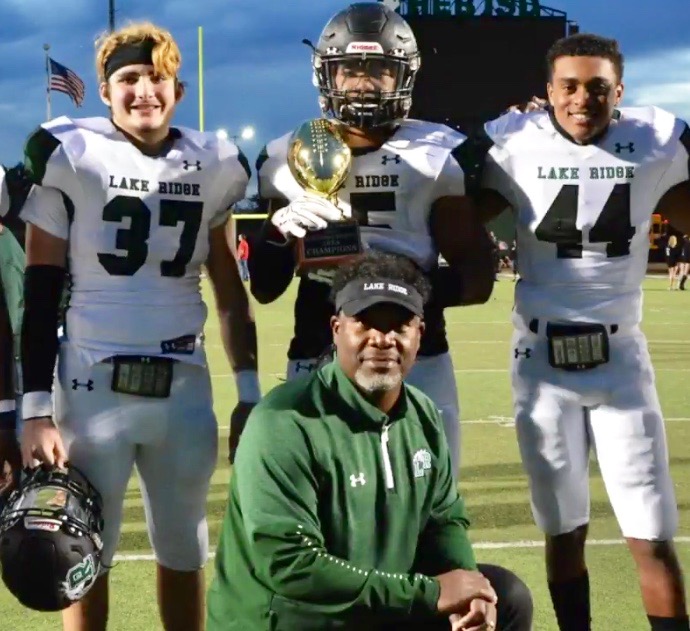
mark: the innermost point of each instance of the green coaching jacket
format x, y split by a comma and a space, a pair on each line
12, 264
339, 515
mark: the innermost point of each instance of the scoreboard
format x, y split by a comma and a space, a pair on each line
474, 68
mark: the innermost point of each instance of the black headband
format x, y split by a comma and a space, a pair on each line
361, 294
129, 54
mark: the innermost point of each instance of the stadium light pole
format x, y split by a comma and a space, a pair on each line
111, 15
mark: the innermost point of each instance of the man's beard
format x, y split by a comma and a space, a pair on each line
373, 382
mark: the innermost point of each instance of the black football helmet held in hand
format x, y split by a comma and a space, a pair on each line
50, 538
368, 38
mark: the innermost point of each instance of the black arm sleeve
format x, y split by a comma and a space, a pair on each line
471, 156
43, 286
271, 266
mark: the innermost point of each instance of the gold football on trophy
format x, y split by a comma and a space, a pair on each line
320, 161
318, 157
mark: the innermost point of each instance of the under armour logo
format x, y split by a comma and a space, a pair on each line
394, 158
186, 165
304, 366
88, 385
357, 479
629, 147
527, 353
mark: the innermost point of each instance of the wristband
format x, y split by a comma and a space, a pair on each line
8, 414
248, 387
37, 405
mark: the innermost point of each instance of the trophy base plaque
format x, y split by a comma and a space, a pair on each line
330, 247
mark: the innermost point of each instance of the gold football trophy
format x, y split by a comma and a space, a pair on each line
320, 160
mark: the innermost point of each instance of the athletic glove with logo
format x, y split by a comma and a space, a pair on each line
308, 212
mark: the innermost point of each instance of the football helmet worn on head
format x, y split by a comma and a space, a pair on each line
50, 538
368, 38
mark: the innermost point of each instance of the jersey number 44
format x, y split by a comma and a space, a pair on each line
612, 227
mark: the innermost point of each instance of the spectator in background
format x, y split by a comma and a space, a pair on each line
514, 259
243, 257
672, 260
503, 256
496, 255
684, 264
15, 188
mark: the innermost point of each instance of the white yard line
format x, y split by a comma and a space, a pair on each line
482, 545
466, 342
281, 375
505, 421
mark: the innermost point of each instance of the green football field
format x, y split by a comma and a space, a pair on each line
491, 477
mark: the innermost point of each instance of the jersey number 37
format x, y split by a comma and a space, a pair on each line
134, 240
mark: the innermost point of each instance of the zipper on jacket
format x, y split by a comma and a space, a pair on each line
388, 470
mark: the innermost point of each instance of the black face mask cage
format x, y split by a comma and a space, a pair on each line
365, 109
66, 497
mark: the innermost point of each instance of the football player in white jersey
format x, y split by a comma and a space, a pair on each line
583, 178
406, 188
132, 207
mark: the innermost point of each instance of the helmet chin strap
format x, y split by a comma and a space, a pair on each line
365, 117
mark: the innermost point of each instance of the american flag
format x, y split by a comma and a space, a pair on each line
64, 80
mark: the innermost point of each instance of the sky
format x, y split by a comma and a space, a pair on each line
256, 70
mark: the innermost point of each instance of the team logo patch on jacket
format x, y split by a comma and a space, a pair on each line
421, 463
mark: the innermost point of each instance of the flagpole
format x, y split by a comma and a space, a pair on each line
111, 15
201, 77
46, 47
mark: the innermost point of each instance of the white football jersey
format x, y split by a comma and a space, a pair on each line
583, 211
390, 190
4, 195
138, 231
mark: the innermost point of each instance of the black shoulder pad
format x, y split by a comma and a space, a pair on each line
471, 156
40, 145
263, 156
244, 162
685, 138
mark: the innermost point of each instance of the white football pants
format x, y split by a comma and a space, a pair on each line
173, 442
612, 408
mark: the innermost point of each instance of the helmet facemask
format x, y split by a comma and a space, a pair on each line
365, 90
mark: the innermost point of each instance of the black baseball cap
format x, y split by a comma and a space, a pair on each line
360, 294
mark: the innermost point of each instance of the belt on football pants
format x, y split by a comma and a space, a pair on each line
576, 346
142, 375
535, 323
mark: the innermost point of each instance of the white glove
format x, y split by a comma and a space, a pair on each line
308, 212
